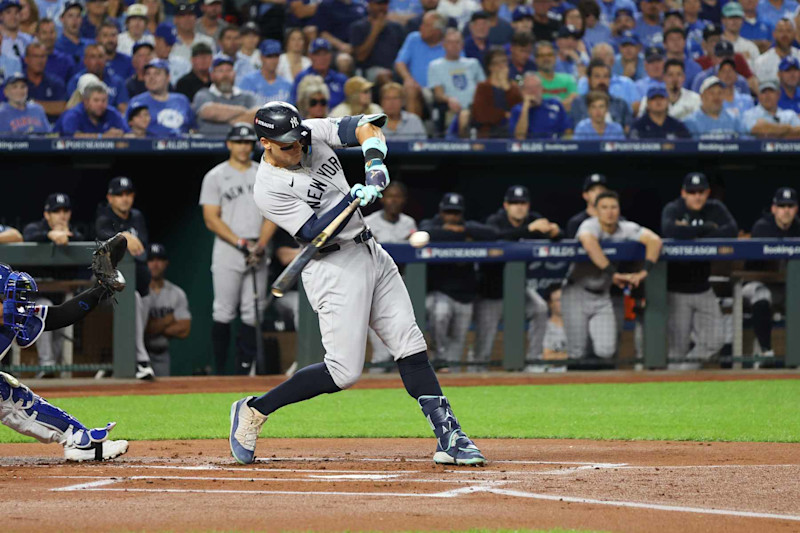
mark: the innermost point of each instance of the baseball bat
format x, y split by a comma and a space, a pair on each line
259, 334
289, 275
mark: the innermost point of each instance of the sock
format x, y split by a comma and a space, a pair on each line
220, 339
762, 324
245, 349
418, 376
306, 383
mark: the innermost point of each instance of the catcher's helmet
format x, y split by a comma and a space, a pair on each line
279, 121
19, 302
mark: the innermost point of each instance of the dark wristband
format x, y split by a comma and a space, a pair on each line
610, 269
648, 265
373, 153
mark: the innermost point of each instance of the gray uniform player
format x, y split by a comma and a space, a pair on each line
241, 237
585, 299
389, 225
167, 311
352, 283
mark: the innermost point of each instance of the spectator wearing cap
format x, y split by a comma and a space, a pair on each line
522, 19
697, 28
772, 11
621, 87
753, 28
675, 49
171, 113
648, 22
595, 126
593, 185
223, 104
142, 55
682, 102
557, 85
59, 64
599, 78
118, 64
656, 123
767, 120
313, 97
768, 63
494, 98
96, 12
732, 20
135, 29
94, 61
43, 88
608, 10
211, 22
250, 36
570, 59
400, 124
653, 69
789, 76
168, 315
321, 66
93, 117
18, 116
462, 10
199, 77
418, 51
711, 121
538, 117
70, 42
334, 18
138, 121
724, 50
186, 35
164, 41
358, 99
519, 60
624, 21
14, 41
477, 42
376, 40
293, 60
694, 313
595, 29
265, 82
733, 102
629, 61
500, 30
55, 225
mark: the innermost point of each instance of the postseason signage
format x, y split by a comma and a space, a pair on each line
571, 250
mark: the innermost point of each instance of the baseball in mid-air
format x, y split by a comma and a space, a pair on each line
418, 239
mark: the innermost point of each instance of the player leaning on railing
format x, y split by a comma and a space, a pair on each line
23, 322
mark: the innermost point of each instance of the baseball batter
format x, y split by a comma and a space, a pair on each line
352, 284
242, 235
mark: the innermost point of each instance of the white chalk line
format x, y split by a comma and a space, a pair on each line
276, 479
414, 460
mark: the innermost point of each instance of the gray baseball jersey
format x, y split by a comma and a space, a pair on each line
350, 289
587, 275
387, 231
169, 300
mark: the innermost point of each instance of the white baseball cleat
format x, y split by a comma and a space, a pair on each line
246, 424
97, 451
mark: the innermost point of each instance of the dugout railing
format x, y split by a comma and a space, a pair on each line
518, 255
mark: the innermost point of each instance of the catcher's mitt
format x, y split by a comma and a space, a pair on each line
104, 263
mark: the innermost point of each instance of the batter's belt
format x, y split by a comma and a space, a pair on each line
361, 238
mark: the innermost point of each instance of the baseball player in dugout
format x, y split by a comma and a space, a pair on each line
517, 221
119, 216
593, 185
351, 283
694, 313
585, 298
452, 287
242, 235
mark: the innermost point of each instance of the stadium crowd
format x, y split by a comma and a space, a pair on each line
536, 69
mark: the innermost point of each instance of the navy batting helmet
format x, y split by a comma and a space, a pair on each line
279, 121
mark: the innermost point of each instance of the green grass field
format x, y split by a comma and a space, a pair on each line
702, 411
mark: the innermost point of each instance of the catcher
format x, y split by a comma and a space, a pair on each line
23, 322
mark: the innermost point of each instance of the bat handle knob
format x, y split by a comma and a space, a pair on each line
277, 292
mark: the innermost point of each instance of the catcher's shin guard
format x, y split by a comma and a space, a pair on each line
453, 446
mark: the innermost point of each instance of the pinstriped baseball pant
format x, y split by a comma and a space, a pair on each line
694, 317
449, 322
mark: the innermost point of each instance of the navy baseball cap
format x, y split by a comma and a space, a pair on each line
250, 28
522, 12
695, 181
567, 30
452, 201
142, 44
789, 62
657, 89
628, 37
135, 110
785, 196
69, 4
157, 251
17, 76
517, 193
673, 13
119, 185
479, 15
184, 9
320, 44
163, 64
56, 201
270, 47
653, 53
166, 32
5, 4
711, 30
724, 49
623, 11
221, 59
241, 131
594, 179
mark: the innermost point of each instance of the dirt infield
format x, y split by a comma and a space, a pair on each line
389, 485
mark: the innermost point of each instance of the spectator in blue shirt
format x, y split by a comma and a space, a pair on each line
94, 61
18, 116
519, 60
771, 11
629, 61
59, 64
538, 117
694, 23
722, 50
9, 65
376, 40
500, 31
675, 48
321, 66
711, 121
599, 76
595, 126
754, 28
476, 42
171, 112
733, 101
92, 117
624, 22
789, 76
71, 42
96, 12
265, 82
656, 123
48, 91
570, 59
620, 86
608, 10
595, 30
117, 63
403, 11
654, 69
14, 40
334, 18
648, 22
419, 49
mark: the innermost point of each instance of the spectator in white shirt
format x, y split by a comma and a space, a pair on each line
135, 28
682, 102
767, 63
185, 20
766, 120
